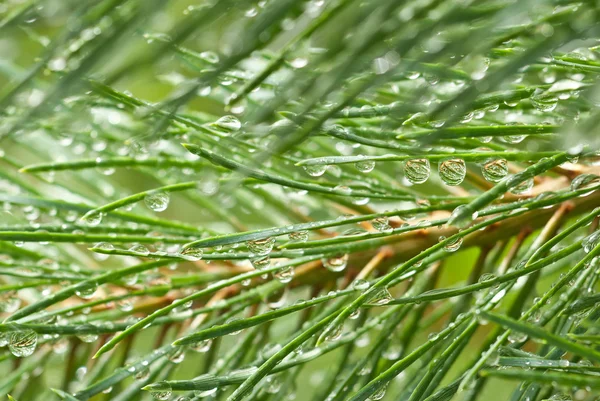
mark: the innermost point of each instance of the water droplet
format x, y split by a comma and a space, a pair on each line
381, 224
22, 343
87, 337
315, 170
87, 291
381, 297
210, 57
335, 263
486, 277
461, 217
285, 275
452, 171
365, 166
177, 356
262, 246
193, 254
228, 124
334, 332
9, 302
260, 262
201, 346
584, 181
142, 373
360, 285
523, 188
157, 201
92, 219
453, 245
591, 241
298, 236
164, 393
544, 103
379, 393
495, 170
417, 170
517, 337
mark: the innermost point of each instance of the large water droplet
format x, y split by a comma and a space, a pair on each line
417, 170
262, 246
584, 181
228, 124
365, 166
381, 297
316, 170
201, 346
285, 275
9, 302
379, 394
495, 170
260, 262
157, 201
591, 241
92, 219
335, 263
87, 291
523, 187
544, 103
360, 285
193, 254
516, 337
164, 393
453, 245
452, 171
298, 236
486, 277
22, 343
382, 224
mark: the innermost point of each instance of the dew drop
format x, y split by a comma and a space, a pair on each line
140, 249
417, 170
381, 297
193, 254
201, 346
315, 170
452, 171
584, 181
360, 285
517, 337
87, 291
544, 103
260, 262
495, 170
335, 263
157, 201
228, 124
453, 245
9, 302
381, 224
262, 246
164, 393
92, 219
365, 166
523, 188
298, 236
379, 394
591, 241
486, 277
285, 275
22, 343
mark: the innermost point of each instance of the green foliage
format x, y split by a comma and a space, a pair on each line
233, 200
